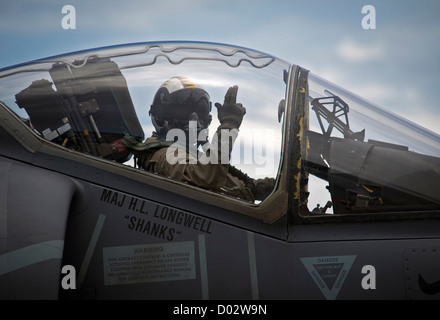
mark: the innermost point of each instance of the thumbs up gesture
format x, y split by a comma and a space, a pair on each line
231, 113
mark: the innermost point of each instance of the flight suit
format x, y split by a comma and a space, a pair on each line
222, 178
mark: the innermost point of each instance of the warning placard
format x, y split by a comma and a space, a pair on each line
329, 273
149, 263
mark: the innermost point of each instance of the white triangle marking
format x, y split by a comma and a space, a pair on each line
329, 272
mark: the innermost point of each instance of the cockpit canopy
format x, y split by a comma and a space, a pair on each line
112, 90
354, 157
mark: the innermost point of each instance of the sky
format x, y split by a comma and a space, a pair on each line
396, 65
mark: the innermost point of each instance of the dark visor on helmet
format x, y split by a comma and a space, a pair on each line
181, 104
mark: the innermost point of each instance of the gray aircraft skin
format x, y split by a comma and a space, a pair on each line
354, 212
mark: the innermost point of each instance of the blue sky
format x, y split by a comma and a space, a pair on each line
396, 65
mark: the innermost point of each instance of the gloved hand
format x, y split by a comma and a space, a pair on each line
231, 113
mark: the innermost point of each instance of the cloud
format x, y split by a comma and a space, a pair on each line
354, 52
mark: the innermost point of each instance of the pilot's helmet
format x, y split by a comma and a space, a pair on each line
178, 101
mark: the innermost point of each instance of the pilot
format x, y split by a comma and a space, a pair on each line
177, 104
